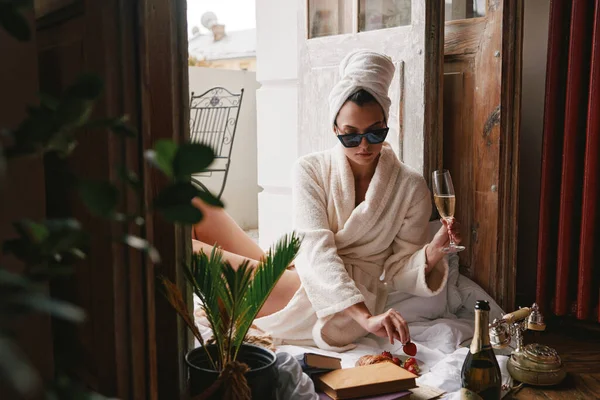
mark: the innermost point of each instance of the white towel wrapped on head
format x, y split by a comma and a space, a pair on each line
362, 69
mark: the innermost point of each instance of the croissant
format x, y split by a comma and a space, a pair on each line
375, 359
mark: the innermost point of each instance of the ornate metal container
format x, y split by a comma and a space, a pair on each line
536, 364
533, 364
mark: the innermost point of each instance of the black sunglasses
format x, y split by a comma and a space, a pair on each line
353, 139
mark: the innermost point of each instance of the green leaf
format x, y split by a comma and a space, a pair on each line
76, 106
162, 156
102, 123
233, 299
174, 203
36, 233
100, 197
64, 243
28, 246
134, 218
48, 101
65, 235
142, 245
205, 275
118, 126
266, 275
17, 370
73, 112
209, 198
10, 279
34, 131
14, 22
57, 308
192, 158
130, 177
63, 143
122, 128
52, 126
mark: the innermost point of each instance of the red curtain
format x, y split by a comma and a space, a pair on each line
568, 263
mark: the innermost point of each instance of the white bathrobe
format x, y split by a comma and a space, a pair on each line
353, 254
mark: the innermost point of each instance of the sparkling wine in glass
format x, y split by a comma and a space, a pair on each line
445, 200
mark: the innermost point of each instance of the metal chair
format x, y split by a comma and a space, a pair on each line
213, 122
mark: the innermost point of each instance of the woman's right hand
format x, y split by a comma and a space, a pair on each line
390, 324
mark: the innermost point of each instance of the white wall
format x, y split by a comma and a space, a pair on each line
535, 43
241, 191
277, 115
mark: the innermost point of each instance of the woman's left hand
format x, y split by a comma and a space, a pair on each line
450, 227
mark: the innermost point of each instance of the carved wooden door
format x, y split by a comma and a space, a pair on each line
482, 53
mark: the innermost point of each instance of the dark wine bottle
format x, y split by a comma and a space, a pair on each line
480, 371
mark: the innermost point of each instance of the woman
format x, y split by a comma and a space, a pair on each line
363, 216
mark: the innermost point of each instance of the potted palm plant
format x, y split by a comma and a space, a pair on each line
231, 298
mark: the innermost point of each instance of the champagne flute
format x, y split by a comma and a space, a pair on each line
444, 198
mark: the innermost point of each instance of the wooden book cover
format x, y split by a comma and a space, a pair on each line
366, 380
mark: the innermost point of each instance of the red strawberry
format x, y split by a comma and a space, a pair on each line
397, 361
410, 361
413, 368
387, 354
410, 348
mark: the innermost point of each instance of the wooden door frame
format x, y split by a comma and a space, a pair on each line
145, 69
163, 52
510, 128
433, 147
146, 78
503, 285
136, 343
118, 328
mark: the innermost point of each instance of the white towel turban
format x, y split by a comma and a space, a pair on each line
362, 69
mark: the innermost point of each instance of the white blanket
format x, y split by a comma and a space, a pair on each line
439, 356
438, 325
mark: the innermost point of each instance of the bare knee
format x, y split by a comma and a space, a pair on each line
198, 246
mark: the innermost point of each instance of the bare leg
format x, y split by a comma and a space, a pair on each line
217, 227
